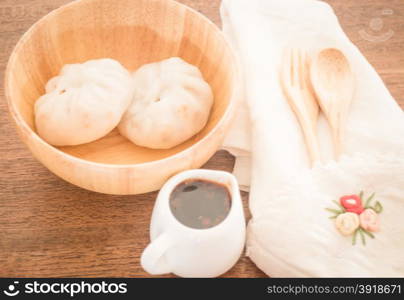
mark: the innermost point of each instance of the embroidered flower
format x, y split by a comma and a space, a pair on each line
369, 220
347, 223
352, 203
355, 218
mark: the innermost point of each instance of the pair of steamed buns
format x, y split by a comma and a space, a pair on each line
159, 106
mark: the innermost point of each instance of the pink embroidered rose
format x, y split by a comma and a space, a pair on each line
347, 223
369, 220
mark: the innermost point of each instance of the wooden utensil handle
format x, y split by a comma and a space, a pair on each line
312, 145
337, 140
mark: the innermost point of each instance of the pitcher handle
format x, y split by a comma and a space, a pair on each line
152, 259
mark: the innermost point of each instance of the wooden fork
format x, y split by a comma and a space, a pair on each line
297, 89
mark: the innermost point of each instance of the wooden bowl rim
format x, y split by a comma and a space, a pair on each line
21, 122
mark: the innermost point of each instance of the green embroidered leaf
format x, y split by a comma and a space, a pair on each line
333, 217
339, 205
368, 233
367, 203
354, 237
361, 195
362, 236
335, 211
378, 207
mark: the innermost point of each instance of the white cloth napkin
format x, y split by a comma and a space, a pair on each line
290, 233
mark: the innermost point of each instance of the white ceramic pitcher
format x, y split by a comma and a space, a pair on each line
188, 252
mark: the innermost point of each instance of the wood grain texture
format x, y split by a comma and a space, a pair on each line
51, 228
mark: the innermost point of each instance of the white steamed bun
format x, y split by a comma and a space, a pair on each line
171, 103
84, 103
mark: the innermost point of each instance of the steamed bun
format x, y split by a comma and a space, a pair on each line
84, 103
171, 103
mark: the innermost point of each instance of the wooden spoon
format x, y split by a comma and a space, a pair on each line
333, 82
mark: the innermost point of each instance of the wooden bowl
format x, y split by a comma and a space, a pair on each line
134, 32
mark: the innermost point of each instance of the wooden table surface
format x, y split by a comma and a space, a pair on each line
50, 228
